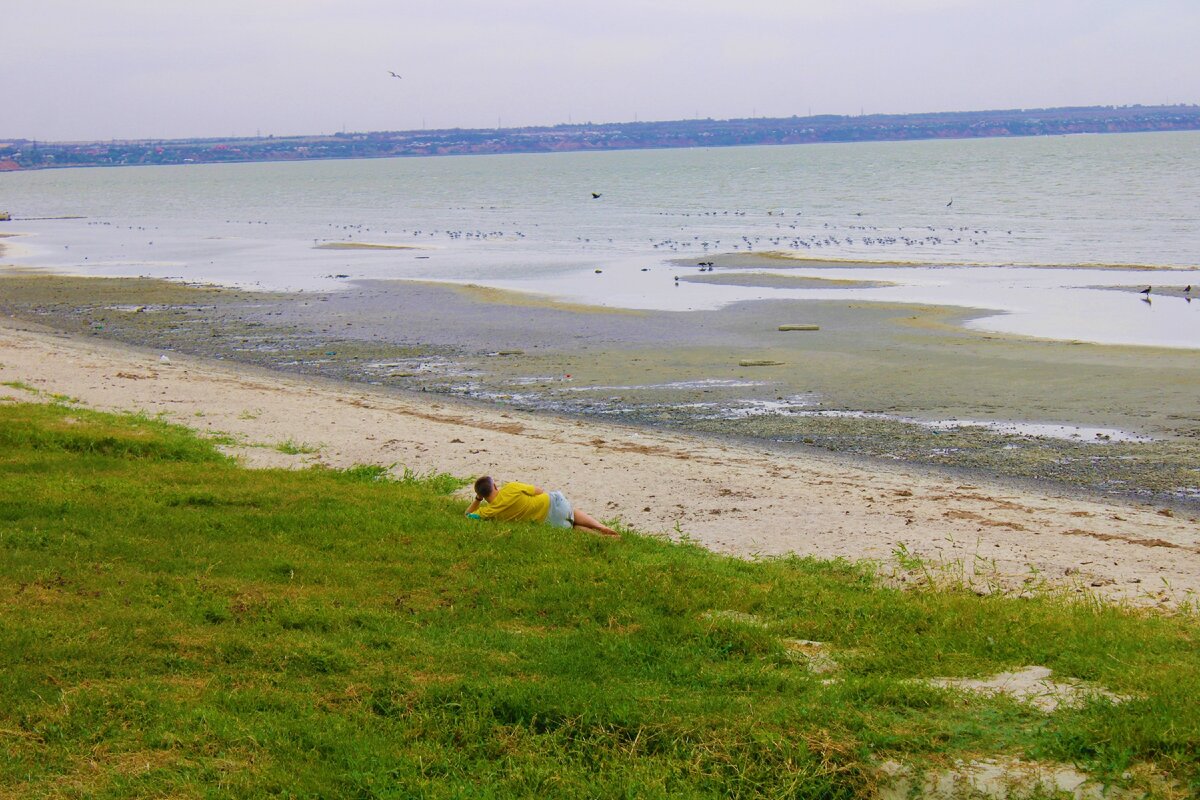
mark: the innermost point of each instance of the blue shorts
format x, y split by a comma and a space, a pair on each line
561, 515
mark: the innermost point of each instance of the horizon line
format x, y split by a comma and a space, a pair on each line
587, 124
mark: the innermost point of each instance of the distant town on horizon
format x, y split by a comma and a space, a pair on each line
23, 154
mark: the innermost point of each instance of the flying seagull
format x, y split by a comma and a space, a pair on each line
394, 75
950, 203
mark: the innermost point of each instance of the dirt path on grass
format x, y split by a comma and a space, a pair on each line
731, 498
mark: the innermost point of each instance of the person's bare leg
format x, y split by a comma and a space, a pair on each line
583, 520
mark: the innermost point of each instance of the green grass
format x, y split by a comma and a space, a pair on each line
294, 448
175, 625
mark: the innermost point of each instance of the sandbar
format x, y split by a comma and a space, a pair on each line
802, 259
367, 246
769, 280
505, 297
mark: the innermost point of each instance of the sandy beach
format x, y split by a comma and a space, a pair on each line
736, 499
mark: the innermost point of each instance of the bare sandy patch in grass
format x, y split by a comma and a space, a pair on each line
1031, 685
996, 778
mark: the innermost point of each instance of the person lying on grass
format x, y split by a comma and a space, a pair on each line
520, 502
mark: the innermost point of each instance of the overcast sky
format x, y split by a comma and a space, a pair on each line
102, 69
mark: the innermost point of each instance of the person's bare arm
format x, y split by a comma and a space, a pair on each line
475, 505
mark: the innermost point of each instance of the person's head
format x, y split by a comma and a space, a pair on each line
484, 487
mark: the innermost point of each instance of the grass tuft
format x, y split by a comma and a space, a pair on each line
54, 427
293, 448
436, 482
439, 483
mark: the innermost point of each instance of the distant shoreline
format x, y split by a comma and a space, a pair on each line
24, 154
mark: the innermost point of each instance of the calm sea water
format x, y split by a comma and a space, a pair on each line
936, 218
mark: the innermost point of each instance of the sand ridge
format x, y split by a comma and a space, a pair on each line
732, 498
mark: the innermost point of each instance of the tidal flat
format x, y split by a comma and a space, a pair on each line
897, 382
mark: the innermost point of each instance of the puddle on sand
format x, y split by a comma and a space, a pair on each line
1048, 430
706, 383
1081, 434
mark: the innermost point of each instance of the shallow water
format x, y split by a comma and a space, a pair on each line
529, 222
1049, 303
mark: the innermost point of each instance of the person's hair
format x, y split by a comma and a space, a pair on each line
484, 487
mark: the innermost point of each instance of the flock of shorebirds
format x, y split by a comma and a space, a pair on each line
791, 235
829, 237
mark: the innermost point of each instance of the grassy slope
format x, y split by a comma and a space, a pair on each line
176, 625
